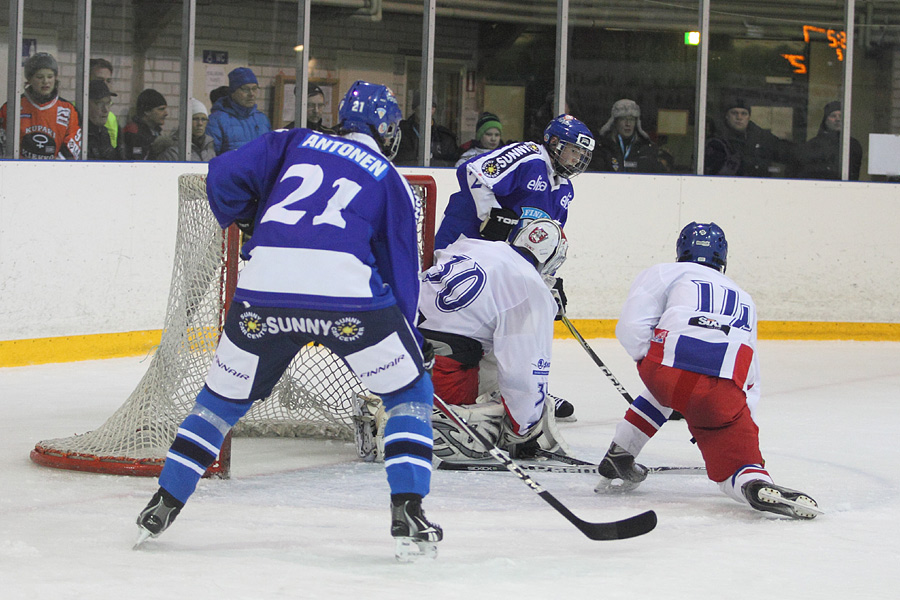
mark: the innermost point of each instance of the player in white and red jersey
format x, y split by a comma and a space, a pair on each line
49, 124
487, 302
692, 331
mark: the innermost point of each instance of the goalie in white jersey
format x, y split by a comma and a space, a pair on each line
488, 311
692, 331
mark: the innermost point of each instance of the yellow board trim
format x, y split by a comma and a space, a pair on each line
18, 353
768, 330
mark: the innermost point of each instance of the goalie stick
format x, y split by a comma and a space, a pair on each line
583, 467
613, 530
612, 378
577, 461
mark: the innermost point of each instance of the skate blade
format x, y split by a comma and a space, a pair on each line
409, 550
143, 536
569, 419
615, 486
803, 507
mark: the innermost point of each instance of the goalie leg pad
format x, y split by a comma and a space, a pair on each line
544, 435
369, 419
453, 444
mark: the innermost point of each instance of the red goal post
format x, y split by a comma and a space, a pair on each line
312, 399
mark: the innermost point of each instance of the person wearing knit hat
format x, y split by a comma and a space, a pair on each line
140, 135
235, 119
622, 145
744, 149
202, 146
820, 156
315, 109
50, 127
488, 130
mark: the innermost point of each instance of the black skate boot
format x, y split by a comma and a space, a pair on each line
619, 472
157, 516
415, 535
563, 409
769, 497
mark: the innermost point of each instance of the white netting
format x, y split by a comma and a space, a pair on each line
312, 399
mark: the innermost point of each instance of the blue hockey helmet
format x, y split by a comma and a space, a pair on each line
702, 243
570, 144
372, 109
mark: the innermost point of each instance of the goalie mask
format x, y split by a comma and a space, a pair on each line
703, 243
570, 145
544, 242
372, 109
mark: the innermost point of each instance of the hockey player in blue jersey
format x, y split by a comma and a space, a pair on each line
516, 183
333, 259
507, 188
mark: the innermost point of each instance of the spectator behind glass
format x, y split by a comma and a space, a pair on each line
488, 130
235, 119
820, 157
623, 146
202, 148
443, 142
99, 102
145, 129
102, 70
219, 92
744, 149
315, 109
50, 128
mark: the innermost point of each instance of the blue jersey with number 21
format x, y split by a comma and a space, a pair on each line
335, 222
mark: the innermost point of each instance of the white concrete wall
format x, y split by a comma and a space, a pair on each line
87, 248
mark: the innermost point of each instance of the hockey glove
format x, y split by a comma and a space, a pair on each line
560, 296
246, 227
428, 355
497, 226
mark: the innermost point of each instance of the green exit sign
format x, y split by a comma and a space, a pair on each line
691, 38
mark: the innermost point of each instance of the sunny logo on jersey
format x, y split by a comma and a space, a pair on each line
495, 166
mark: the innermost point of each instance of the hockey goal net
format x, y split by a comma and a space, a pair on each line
312, 399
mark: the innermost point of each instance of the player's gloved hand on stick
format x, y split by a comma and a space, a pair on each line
497, 226
428, 354
246, 227
560, 296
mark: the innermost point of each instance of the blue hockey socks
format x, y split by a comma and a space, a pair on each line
198, 442
408, 438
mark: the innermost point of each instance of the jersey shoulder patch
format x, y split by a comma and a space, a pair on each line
495, 164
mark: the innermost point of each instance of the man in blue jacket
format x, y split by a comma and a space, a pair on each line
234, 119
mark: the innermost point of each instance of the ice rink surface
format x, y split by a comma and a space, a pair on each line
306, 519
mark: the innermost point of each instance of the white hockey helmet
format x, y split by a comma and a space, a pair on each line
545, 242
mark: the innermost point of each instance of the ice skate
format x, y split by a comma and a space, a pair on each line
563, 409
769, 497
157, 516
415, 536
619, 472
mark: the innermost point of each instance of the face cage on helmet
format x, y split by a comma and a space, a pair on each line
570, 171
392, 141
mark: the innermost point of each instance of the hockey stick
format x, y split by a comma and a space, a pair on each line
571, 460
613, 530
612, 378
589, 469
